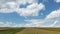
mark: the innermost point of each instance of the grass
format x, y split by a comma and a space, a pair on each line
11, 30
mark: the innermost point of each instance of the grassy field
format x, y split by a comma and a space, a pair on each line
29, 30
10, 30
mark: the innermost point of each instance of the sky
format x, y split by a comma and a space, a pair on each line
29, 13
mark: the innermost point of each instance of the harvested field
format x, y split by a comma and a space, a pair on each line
30, 31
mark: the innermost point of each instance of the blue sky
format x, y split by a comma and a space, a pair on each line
28, 12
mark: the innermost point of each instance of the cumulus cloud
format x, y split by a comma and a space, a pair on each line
7, 7
53, 18
26, 1
57, 0
29, 23
31, 10
54, 14
13, 6
10, 24
5, 24
34, 23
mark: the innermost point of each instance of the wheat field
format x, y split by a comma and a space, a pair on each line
30, 30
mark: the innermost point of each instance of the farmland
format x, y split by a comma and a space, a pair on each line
10, 30
29, 30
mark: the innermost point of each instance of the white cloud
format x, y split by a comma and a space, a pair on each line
54, 14
7, 7
50, 21
57, 0
29, 23
57, 24
13, 6
10, 24
5, 24
39, 23
26, 1
31, 10
53, 18
34, 23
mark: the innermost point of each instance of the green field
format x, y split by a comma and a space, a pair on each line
10, 30
29, 30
